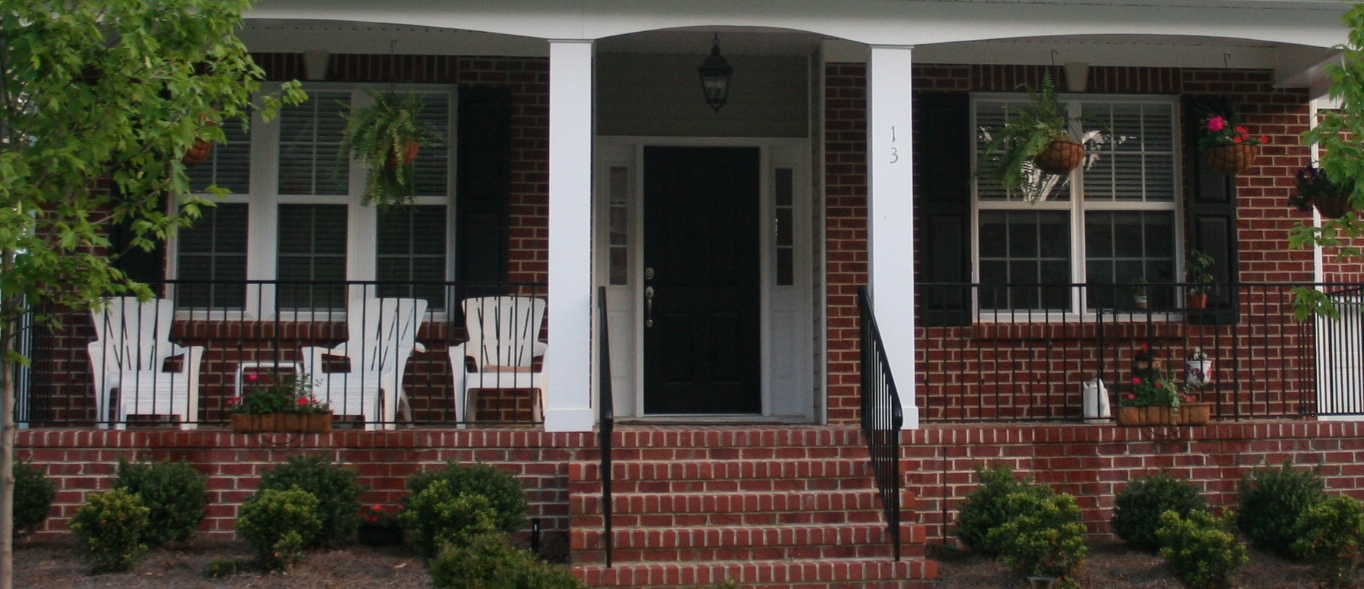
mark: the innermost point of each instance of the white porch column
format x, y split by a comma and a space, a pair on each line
568, 362
890, 216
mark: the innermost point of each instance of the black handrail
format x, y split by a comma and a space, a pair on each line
882, 417
606, 416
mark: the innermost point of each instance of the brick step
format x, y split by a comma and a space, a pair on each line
789, 469
740, 502
726, 437
841, 573
711, 537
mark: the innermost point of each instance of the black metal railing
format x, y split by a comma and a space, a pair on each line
1023, 352
606, 417
882, 417
379, 353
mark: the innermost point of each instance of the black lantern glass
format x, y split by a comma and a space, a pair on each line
715, 73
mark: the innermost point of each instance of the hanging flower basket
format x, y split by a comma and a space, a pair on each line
1231, 159
1061, 157
410, 151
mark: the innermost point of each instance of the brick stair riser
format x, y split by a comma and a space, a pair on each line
766, 574
725, 485
733, 469
726, 502
767, 536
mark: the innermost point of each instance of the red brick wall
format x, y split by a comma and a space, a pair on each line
1094, 463
964, 373
84, 461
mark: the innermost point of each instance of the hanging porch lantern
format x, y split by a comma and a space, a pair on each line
715, 73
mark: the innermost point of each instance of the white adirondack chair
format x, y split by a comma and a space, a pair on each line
503, 345
380, 337
130, 355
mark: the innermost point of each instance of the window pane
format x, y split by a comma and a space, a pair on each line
309, 146
1143, 254
1022, 257
211, 259
1138, 163
619, 230
432, 166
411, 250
312, 256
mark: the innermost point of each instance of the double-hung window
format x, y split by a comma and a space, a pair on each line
296, 216
1096, 237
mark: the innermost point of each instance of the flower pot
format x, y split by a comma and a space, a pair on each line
1062, 156
1189, 414
1197, 301
1140, 301
1197, 372
380, 534
1333, 205
308, 423
197, 154
1230, 159
411, 149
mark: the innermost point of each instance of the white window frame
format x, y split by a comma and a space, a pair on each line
1076, 206
362, 221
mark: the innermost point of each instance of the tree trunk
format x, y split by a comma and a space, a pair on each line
9, 308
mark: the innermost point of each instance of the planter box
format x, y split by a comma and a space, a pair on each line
308, 423
1189, 414
377, 535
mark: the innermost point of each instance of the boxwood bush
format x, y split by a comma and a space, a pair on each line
504, 493
1330, 535
1272, 500
174, 493
984, 509
1200, 548
333, 486
108, 530
1137, 509
277, 524
488, 561
33, 495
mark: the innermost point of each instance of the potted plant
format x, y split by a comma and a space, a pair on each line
1316, 189
284, 404
1227, 147
1036, 138
1140, 293
386, 137
1197, 369
379, 526
1198, 272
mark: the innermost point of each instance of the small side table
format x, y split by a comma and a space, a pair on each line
256, 366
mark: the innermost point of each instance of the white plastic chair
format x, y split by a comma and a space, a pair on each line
380, 337
503, 345
130, 355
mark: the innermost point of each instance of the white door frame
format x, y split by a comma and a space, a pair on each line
787, 311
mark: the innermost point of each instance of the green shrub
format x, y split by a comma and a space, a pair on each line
107, 530
1044, 537
174, 492
983, 509
33, 495
278, 523
504, 493
1201, 549
1137, 509
1272, 499
333, 486
488, 561
438, 516
1331, 537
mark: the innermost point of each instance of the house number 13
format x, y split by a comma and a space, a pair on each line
894, 151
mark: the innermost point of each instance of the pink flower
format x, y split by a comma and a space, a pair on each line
303, 401
1131, 396
1217, 123
1136, 380
1264, 139
234, 401
1236, 139
1243, 131
253, 377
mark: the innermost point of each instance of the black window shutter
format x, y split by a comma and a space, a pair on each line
942, 200
1212, 216
484, 185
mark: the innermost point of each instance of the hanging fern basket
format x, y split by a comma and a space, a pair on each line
1061, 157
197, 154
410, 151
1230, 159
